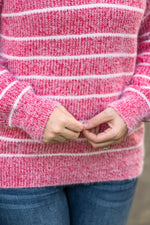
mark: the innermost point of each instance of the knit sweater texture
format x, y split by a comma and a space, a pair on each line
85, 55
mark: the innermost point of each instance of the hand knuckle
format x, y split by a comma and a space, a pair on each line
63, 121
51, 137
108, 112
75, 136
48, 139
115, 135
57, 130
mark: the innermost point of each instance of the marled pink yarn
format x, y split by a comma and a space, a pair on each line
83, 55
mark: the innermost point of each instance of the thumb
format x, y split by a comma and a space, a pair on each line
102, 117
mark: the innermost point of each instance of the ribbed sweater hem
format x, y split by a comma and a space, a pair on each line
55, 169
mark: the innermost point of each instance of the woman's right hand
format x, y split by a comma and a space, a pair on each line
61, 127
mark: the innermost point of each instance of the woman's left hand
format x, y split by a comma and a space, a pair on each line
114, 134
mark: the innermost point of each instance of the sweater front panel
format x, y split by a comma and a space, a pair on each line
72, 52
81, 54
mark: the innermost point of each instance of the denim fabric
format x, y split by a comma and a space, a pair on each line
102, 203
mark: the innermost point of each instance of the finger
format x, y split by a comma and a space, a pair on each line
105, 136
70, 135
102, 145
56, 139
74, 125
102, 117
56, 133
61, 138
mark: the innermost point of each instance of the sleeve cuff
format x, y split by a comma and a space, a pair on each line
132, 109
32, 114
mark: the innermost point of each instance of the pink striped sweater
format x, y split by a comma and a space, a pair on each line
86, 55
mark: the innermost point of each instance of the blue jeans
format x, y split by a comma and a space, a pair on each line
101, 203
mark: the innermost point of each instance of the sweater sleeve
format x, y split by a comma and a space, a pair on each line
134, 103
19, 105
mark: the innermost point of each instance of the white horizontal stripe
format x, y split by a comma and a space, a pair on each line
58, 37
146, 87
67, 57
142, 75
141, 94
17, 140
145, 53
144, 64
16, 102
7, 88
74, 97
3, 71
146, 41
145, 34
76, 7
72, 154
8, 139
136, 129
82, 77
